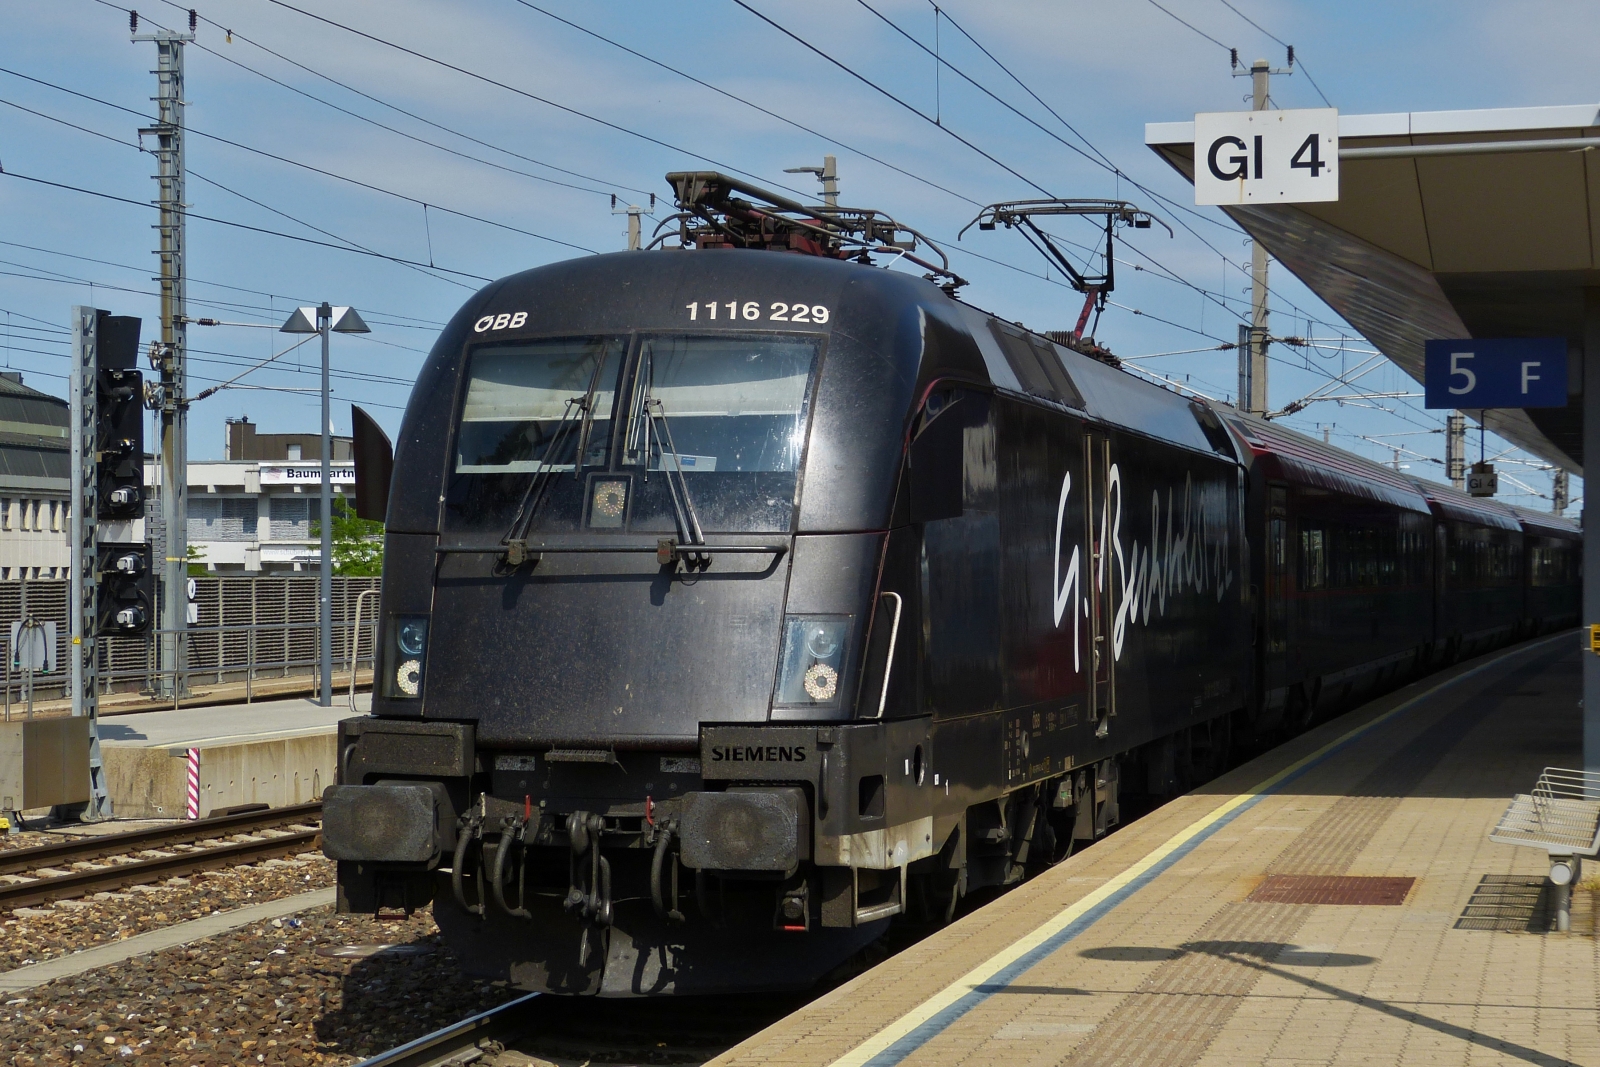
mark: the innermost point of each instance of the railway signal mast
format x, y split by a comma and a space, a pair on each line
168, 355
111, 571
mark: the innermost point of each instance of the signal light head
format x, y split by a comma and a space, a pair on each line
124, 496
130, 618
131, 565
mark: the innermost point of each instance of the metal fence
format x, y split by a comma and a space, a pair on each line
244, 630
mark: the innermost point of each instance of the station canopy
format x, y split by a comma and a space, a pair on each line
1450, 224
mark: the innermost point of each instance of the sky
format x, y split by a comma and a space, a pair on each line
399, 154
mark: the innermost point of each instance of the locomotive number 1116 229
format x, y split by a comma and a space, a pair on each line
751, 311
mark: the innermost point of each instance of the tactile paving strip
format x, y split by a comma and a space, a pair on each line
1330, 889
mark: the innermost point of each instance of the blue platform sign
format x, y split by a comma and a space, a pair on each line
1496, 372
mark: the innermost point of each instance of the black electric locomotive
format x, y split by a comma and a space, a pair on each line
735, 602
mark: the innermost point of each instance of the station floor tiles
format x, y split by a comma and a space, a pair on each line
262, 720
1148, 949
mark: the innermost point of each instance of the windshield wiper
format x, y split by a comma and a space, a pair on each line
516, 538
687, 519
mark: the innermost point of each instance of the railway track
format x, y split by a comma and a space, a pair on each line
140, 857
473, 1040
543, 1028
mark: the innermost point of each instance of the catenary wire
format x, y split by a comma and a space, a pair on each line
1172, 15
388, 104
238, 225
864, 80
306, 166
1298, 61
524, 93
196, 174
371, 317
863, 153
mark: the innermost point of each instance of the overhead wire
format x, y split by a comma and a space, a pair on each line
467, 72
864, 80
267, 154
1024, 87
236, 225
194, 173
1297, 60
1173, 15
372, 317
404, 133
747, 103
381, 103
235, 359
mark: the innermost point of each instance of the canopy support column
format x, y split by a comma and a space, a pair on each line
1591, 536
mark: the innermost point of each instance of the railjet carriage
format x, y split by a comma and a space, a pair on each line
737, 602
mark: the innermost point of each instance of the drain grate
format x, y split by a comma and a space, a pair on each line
1507, 903
1330, 889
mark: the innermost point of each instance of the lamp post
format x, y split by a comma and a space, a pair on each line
325, 319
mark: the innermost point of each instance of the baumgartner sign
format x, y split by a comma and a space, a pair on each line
305, 474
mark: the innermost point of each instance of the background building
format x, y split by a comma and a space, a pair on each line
248, 514
243, 442
253, 512
35, 461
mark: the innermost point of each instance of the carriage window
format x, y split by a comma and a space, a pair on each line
724, 404
1313, 559
525, 405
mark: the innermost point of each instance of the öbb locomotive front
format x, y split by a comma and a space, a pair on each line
736, 602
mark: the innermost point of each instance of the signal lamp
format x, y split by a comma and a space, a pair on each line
124, 588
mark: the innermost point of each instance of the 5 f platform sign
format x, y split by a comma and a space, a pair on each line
1266, 157
1496, 372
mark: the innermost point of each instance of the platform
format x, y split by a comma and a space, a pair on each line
270, 752
1336, 901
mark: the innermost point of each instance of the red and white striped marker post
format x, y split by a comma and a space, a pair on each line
194, 783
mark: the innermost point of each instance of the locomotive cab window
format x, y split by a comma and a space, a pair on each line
587, 434
539, 404
704, 404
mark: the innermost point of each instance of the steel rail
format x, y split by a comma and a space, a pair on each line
143, 872
21, 860
457, 1043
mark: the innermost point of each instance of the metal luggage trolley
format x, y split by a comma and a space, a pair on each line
1561, 816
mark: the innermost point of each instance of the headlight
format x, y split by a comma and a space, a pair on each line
408, 654
410, 636
809, 674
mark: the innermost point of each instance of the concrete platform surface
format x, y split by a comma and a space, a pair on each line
273, 752
1186, 939
263, 720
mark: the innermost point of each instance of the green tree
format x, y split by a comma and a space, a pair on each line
357, 542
